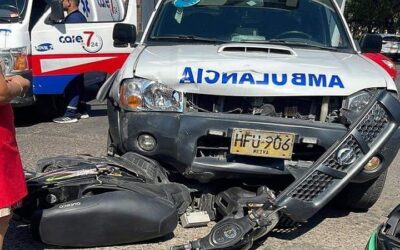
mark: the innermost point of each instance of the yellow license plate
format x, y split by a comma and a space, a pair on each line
262, 143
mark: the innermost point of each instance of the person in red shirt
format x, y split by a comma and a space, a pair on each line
12, 179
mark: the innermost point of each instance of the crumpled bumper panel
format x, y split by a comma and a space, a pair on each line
329, 174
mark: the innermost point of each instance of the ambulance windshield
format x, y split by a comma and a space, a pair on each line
12, 10
313, 23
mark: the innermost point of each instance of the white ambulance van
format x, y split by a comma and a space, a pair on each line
36, 44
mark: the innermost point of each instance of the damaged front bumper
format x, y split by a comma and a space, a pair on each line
197, 144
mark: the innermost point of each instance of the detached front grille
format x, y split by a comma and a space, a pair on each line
373, 124
318, 181
312, 186
343, 160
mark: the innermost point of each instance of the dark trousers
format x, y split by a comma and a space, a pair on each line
75, 97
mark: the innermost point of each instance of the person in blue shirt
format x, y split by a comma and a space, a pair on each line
77, 108
73, 13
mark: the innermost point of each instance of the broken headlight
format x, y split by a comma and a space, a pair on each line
354, 105
139, 94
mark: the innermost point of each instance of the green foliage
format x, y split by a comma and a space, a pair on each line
373, 16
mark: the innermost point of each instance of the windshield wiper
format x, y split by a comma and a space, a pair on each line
288, 43
189, 38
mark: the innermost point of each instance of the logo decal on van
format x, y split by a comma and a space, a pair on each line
89, 41
70, 39
92, 43
44, 47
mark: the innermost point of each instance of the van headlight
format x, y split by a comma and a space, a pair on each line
354, 105
139, 94
15, 59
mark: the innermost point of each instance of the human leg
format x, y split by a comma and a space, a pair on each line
82, 106
72, 96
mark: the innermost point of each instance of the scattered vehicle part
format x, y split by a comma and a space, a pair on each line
238, 232
195, 219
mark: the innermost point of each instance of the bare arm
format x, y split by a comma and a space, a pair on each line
11, 87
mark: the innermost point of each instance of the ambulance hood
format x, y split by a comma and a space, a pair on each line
258, 70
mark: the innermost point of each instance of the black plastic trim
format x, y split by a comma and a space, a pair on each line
302, 210
361, 142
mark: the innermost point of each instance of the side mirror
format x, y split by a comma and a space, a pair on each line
124, 34
57, 11
371, 43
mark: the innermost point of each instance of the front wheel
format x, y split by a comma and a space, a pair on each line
362, 196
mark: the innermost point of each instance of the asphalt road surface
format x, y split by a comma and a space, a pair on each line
329, 229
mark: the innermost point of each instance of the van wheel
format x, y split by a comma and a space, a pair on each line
361, 196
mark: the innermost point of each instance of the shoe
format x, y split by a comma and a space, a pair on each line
65, 119
84, 116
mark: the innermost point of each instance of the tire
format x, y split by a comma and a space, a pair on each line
361, 196
150, 169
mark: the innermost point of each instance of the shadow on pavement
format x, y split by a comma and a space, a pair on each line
19, 237
292, 233
48, 107
28, 116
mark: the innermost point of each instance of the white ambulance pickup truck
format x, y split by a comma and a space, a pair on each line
257, 91
36, 43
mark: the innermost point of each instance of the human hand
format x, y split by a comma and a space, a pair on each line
19, 81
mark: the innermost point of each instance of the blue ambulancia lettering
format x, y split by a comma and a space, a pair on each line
200, 76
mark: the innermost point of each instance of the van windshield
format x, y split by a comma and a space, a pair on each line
12, 10
313, 23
